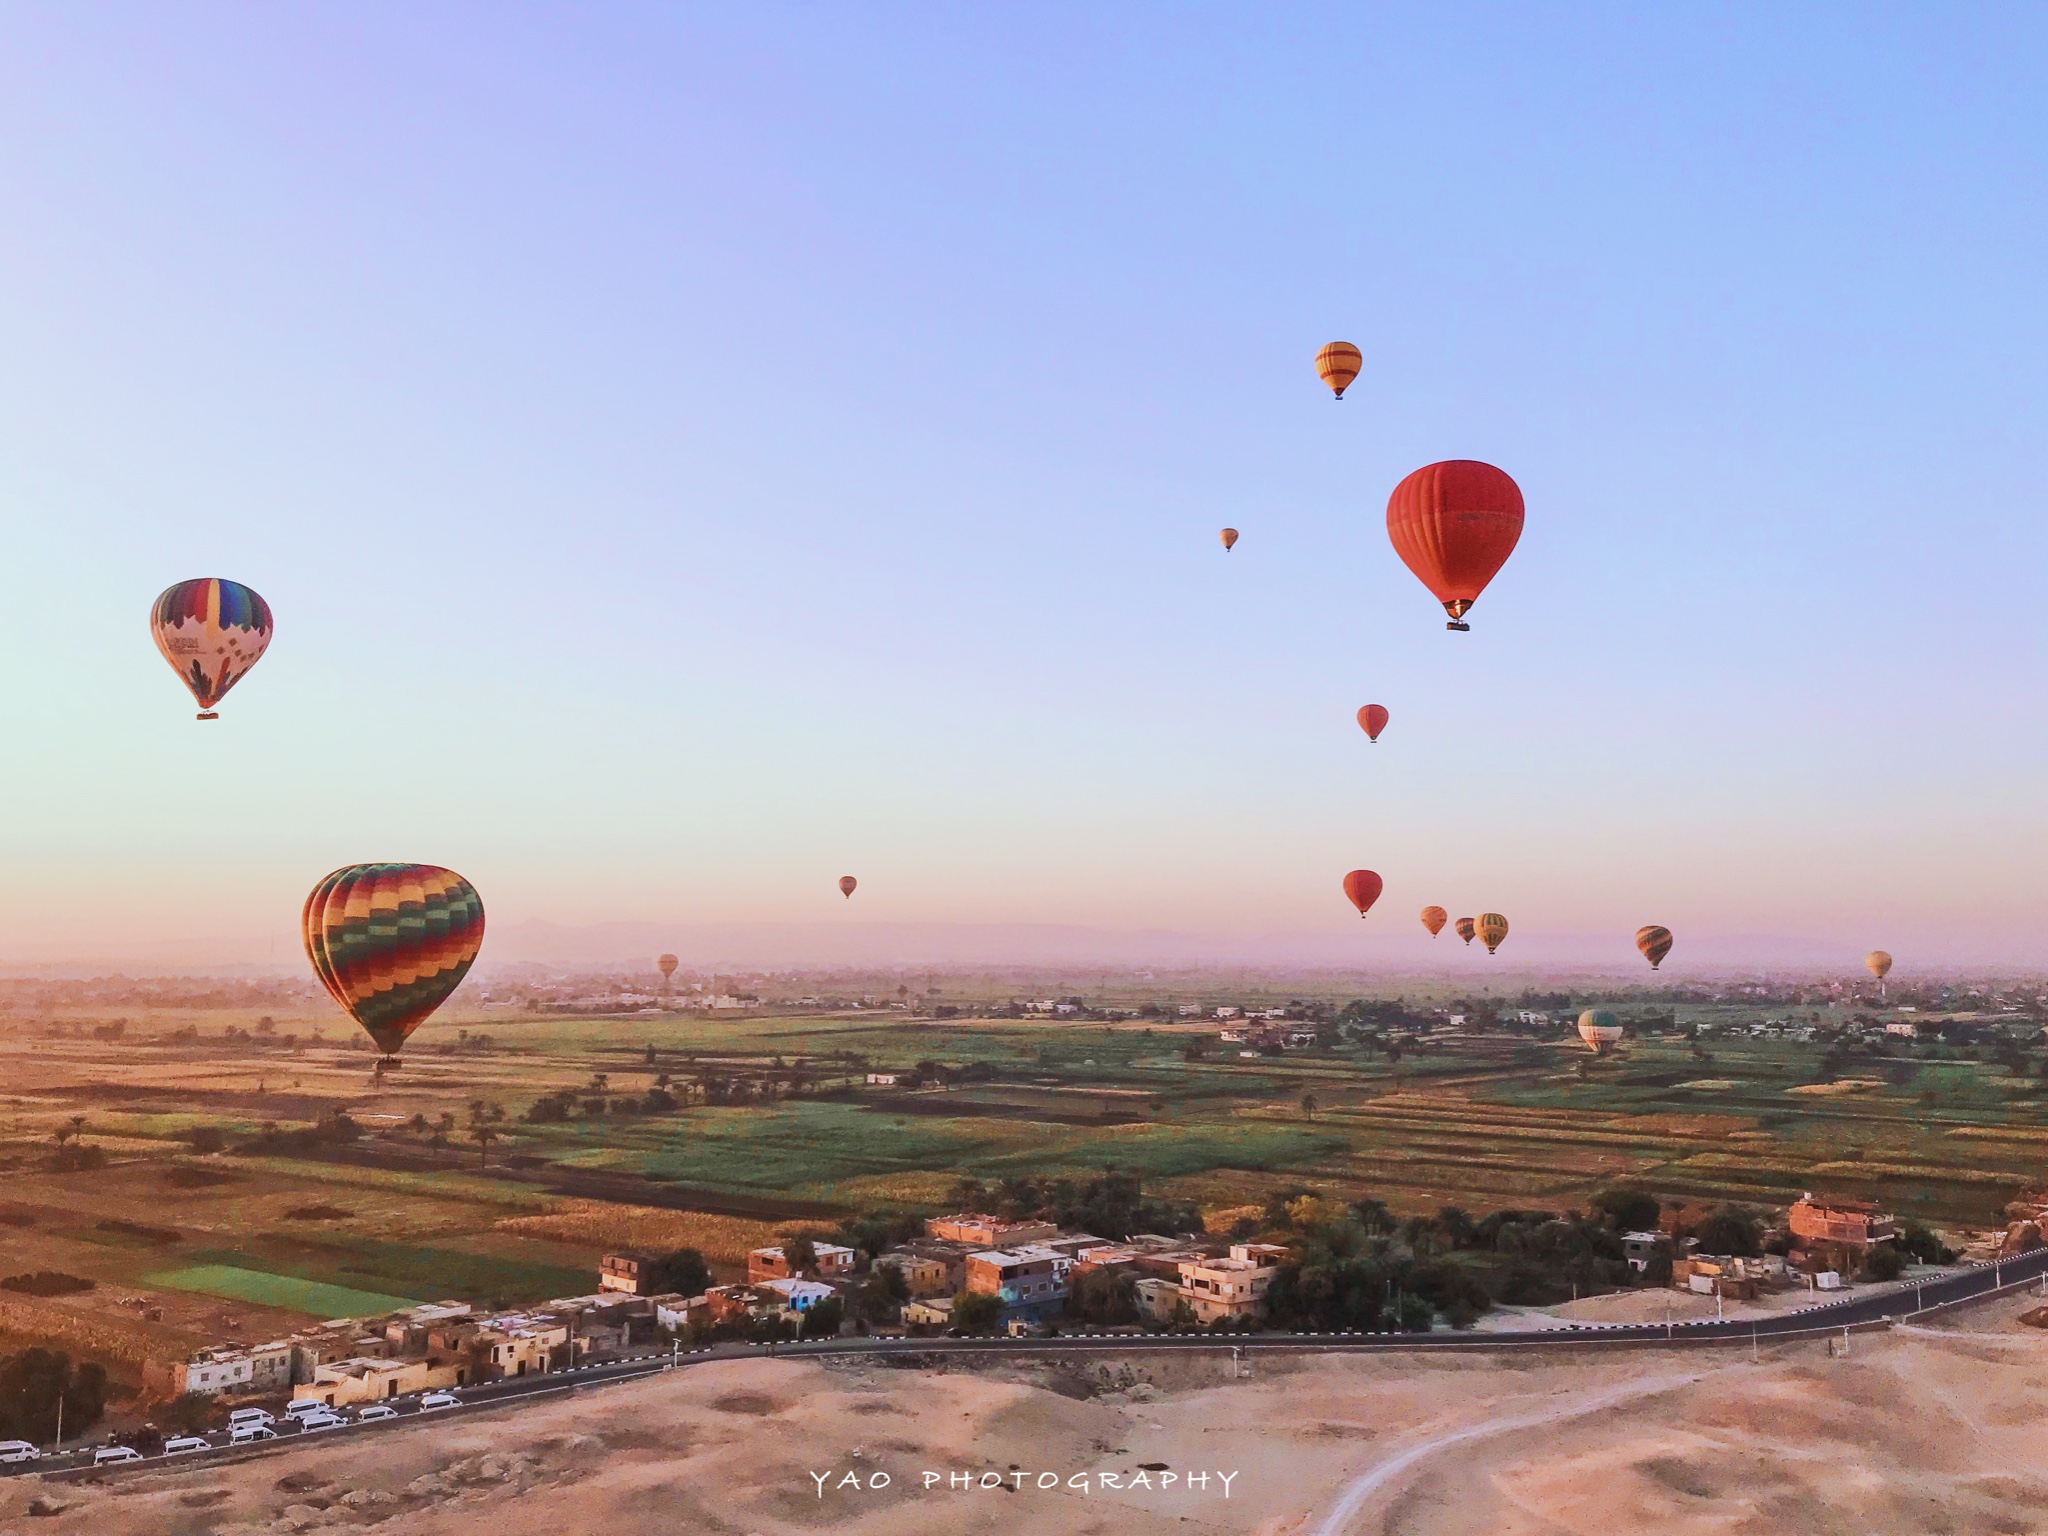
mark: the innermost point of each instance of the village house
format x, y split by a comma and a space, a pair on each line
985, 1232
1029, 1282
834, 1262
929, 1312
1157, 1299
367, 1381
922, 1275
798, 1296
629, 1273
1233, 1287
1837, 1234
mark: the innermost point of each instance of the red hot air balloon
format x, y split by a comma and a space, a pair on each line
1372, 720
1362, 888
1229, 537
846, 885
1454, 525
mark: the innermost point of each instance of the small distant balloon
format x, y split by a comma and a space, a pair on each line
1372, 720
1434, 918
1466, 928
1229, 537
1454, 525
211, 631
1878, 963
1491, 928
1655, 943
846, 885
667, 966
1338, 364
1600, 1029
1362, 888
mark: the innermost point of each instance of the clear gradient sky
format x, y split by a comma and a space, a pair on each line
696, 452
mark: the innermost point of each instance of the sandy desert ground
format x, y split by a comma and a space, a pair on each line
1921, 1430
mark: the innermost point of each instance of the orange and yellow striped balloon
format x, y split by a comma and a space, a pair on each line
1491, 928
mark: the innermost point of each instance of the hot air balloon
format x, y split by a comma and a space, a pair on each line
1434, 918
1491, 928
1229, 537
846, 885
1466, 928
667, 966
1338, 363
1454, 525
1600, 1029
1372, 720
1362, 887
1878, 963
390, 942
1655, 943
212, 632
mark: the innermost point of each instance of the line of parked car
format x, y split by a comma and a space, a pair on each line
246, 1426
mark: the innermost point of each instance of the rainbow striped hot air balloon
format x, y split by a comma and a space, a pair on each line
390, 942
212, 632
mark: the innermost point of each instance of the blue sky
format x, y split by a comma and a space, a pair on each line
695, 454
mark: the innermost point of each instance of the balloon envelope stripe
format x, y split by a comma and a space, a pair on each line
391, 941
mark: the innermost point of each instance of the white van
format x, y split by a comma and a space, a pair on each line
18, 1450
243, 1418
115, 1455
300, 1407
185, 1445
249, 1434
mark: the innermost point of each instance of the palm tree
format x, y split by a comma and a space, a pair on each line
1309, 1106
78, 1127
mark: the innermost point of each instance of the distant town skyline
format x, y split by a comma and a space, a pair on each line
694, 457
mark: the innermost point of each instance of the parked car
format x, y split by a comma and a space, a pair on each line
435, 1400
243, 1417
376, 1411
249, 1434
308, 1422
115, 1455
185, 1445
299, 1408
18, 1450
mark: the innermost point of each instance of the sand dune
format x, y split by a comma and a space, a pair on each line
1919, 1430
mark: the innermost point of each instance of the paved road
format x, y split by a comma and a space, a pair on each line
1868, 1308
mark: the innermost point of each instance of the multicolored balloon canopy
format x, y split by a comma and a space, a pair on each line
211, 631
1466, 928
1655, 943
390, 942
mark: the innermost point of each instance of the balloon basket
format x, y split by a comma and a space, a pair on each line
209, 714
1460, 626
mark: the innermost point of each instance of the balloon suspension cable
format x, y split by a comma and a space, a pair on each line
209, 714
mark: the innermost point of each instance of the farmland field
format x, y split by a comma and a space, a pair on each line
285, 1292
214, 1181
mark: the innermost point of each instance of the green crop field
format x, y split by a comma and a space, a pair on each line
287, 1292
769, 1118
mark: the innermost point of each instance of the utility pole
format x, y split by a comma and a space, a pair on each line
58, 1448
